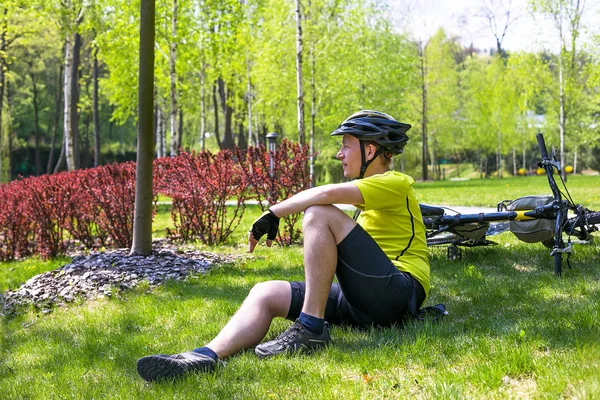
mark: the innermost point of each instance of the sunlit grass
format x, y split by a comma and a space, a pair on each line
514, 329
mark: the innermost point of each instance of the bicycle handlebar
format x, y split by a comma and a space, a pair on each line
542, 145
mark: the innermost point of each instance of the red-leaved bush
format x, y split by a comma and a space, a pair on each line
16, 227
94, 206
111, 189
85, 212
200, 184
290, 176
49, 198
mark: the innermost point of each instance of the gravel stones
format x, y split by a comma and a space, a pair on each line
104, 274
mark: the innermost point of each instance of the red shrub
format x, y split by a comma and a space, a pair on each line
111, 190
49, 198
16, 226
84, 211
290, 177
200, 184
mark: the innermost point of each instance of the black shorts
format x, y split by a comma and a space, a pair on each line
370, 289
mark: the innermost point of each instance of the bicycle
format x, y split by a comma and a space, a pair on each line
471, 230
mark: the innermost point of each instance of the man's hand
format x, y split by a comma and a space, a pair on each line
267, 223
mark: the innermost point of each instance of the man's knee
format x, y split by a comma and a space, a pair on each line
329, 217
275, 296
320, 214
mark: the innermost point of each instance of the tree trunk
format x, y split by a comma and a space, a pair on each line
499, 155
4, 134
242, 142
202, 108
36, 119
57, 100
175, 144
62, 159
249, 99
85, 159
142, 222
71, 98
228, 142
161, 133
180, 128
524, 159
562, 120
97, 160
424, 111
514, 162
216, 109
313, 115
301, 134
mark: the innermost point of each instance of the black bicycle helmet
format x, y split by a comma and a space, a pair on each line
375, 126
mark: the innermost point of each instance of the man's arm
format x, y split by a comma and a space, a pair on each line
339, 193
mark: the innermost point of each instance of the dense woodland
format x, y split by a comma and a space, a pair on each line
226, 75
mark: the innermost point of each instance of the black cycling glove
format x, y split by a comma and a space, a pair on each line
267, 223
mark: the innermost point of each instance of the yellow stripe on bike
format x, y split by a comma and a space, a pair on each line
522, 217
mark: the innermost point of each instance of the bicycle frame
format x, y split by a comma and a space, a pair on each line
557, 210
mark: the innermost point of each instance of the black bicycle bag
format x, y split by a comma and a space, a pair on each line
536, 230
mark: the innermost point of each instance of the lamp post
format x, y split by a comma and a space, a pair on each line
272, 143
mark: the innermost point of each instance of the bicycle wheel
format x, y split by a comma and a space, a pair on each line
557, 264
593, 218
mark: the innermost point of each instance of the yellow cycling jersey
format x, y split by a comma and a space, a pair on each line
391, 215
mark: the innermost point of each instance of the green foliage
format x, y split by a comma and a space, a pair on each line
353, 58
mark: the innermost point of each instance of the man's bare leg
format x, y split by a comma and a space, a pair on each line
251, 322
324, 227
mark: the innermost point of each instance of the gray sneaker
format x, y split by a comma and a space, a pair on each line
164, 366
296, 338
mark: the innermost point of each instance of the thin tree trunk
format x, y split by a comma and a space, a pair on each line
95, 72
67, 136
424, 111
228, 142
175, 144
162, 133
85, 151
249, 98
62, 159
216, 109
301, 134
142, 222
524, 158
514, 159
432, 155
57, 99
180, 128
36, 118
562, 120
575, 163
242, 142
70, 104
4, 136
313, 115
202, 107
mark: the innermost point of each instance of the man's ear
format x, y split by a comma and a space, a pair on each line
371, 149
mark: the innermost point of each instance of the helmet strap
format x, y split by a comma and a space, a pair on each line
365, 162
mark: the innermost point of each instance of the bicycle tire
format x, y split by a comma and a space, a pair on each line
557, 264
593, 218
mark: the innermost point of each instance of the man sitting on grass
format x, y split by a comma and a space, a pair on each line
380, 260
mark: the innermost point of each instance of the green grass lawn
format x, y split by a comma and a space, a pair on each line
514, 329
488, 192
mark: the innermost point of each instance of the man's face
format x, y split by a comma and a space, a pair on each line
349, 155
